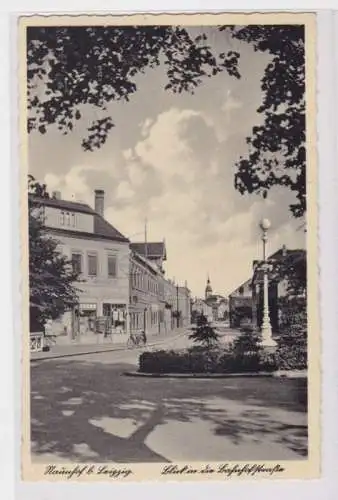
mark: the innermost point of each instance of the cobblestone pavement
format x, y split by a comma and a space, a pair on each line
83, 409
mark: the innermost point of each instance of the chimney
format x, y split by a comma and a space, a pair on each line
56, 195
99, 201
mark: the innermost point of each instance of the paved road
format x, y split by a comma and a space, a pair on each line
85, 410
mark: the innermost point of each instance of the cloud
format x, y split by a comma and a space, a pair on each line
73, 185
172, 159
231, 104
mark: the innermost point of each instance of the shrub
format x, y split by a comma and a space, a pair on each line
204, 333
242, 356
206, 360
292, 343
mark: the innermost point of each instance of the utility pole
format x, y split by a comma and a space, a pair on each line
145, 239
177, 305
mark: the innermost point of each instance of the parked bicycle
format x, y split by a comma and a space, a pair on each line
136, 340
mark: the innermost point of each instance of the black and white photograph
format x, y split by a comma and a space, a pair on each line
169, 200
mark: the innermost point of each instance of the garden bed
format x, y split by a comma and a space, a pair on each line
211, 376
202, 361
235, 359
243, 357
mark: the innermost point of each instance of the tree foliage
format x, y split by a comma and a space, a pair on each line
276, 149
293, 269
98, 65
204, 333
51, 274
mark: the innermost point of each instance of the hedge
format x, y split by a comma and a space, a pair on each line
242, 356
201, 360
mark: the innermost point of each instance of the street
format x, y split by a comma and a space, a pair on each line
84, 409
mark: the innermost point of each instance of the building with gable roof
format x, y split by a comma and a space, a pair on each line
101, 255
284, 264
154, 252
240, 305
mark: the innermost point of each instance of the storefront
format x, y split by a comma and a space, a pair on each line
118, 315
83, 320
137, 318
87, 318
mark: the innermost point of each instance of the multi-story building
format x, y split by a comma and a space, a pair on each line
200, 306
240, 305
184, 305
154, 252
223, 309
119, 280
100, 253
146, 296
284, 262
218, 303
172, 302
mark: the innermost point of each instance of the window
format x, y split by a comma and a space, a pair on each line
67, 219
77, 262
92, 265
73, 220
112, 266
62, 218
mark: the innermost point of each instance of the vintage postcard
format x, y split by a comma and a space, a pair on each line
169, 247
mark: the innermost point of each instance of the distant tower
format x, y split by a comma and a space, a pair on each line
208, 289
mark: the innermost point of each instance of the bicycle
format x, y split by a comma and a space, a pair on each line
136, 340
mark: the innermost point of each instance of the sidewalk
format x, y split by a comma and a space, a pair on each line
61, 351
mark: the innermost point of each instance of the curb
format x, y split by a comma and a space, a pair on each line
213, 375
100, 351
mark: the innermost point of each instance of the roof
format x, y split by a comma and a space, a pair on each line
144, 262
106, 230
74, 206
243, 285
151, 249
283, 252
102, 228
286, 257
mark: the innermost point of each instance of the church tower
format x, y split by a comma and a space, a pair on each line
208, 289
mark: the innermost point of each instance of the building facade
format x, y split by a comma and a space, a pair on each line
100, 253
219, 304
240, 305
121, 284
200, 306
154, 252
183, 305
283, 262
146, 296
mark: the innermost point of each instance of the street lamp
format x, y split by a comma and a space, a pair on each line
266, 330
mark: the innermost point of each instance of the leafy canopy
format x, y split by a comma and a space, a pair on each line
97, 65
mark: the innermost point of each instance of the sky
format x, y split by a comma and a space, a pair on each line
171, 159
